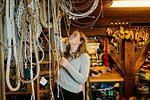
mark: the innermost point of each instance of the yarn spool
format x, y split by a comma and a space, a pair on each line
145, 74
143, 89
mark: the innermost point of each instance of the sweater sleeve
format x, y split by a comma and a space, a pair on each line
81, 75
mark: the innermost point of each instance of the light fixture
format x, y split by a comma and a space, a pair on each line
130, 3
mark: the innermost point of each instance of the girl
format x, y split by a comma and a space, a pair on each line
75, 69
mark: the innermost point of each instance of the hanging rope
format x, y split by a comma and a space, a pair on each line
35, 41
31, 71
2, 72
11, 36
49, 33
43, 15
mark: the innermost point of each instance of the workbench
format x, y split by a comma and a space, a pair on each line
107, 77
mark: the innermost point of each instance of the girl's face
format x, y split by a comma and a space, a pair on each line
74, 38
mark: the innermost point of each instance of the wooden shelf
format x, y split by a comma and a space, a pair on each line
44, 62
44, 72
18, 92
44, 91
106, 77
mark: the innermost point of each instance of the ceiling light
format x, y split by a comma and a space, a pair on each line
130, 3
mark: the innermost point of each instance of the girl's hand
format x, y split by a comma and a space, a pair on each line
64, 62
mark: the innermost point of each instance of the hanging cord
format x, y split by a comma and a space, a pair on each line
31, 71
61, 50
53, 8
2, 72
49, 31
58, 38
43, 15
10, 35
20, 50
19, 16
37, 27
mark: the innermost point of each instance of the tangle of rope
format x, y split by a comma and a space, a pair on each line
89, 23
70, 13
58, 38
11, 36
34, 45
83, 7
79, 1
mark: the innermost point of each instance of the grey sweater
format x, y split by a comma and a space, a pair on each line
75, 74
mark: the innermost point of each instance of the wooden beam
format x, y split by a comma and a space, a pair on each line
139, 62
87, 31
141, 56
117, 59
129, 58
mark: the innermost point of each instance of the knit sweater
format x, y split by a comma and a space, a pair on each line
75, 74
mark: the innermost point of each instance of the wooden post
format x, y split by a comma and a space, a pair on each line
129, 87
129, 57
129, 61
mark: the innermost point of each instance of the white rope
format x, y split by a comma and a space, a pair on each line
10, 35
31, 71
19, 16
88, 24
70, 13
50, 49
53, 8
83, 7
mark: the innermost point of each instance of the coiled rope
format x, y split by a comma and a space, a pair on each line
81, 15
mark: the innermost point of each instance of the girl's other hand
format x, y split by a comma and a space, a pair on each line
64, 62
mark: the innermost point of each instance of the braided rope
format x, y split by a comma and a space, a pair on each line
35, 40
43, 15
44, 10
49, 31
2, 72
31, 72
10, 35
19, 15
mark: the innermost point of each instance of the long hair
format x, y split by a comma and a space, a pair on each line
81, 49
